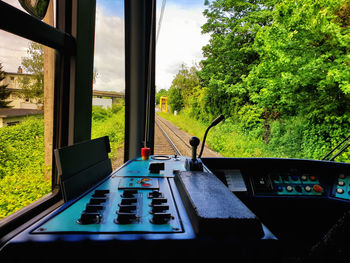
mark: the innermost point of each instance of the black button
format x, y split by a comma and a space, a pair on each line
156, 167
128, 201
159, 208
125, 218
154, 194
129, 192
160, 218
93, 208
90, 218
298, 188
157, 201
126, 208
100, 193
97, 200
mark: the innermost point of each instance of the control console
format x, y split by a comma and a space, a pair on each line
120, 204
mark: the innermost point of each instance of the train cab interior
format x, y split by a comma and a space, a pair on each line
157, 207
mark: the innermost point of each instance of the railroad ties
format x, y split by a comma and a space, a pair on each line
170, 140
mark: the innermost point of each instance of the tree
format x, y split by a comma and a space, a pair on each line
160, 93
304, 61
33, 88
4, 93
230, 55
176, 101
183, 87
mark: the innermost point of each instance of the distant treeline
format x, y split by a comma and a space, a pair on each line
278, 69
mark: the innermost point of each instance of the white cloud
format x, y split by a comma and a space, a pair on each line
180, 41
109, 52
12, 47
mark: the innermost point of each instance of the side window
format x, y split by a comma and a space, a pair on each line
26, 119
108, 79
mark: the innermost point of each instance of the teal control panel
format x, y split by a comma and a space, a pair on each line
131, 200
291, 183
294, 184
341, 187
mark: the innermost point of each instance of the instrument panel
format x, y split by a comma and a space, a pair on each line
283, 177
161, 200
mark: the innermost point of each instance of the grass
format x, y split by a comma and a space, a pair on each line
225, 138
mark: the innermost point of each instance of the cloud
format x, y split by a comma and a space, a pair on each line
180, 41
109, 52
12, 47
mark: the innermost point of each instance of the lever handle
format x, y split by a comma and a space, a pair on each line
194, 142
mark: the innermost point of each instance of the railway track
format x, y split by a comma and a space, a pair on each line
159, 143
168, 140
171, 140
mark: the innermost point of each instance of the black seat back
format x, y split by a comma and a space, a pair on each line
82, 165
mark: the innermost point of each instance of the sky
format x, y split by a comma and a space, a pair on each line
180, 41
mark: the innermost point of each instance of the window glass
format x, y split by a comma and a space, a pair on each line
277, 70
109, 77
26, 116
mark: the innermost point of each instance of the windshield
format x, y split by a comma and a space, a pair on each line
277, 70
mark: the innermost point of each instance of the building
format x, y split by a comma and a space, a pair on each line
14, 84
20, 107
10, 117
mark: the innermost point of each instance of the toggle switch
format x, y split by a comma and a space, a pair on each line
128, 201
157, 201
93, 208
97, 200
100, 193
160, 218
155, 194
125, 218
129, 192
156, 167
159, 208
89, 218
126, 208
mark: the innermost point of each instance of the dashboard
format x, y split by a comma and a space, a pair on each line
160, 202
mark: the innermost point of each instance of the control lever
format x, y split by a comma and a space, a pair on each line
194, 142
194, 164
213, 123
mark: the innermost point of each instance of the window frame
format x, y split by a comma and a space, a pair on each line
73, 41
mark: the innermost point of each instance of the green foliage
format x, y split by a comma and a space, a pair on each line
22, 179
176, 101
33, 87
159, 94
230, 54
4, 94
111, 123
279, 71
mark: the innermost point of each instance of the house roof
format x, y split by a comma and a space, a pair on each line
8, 112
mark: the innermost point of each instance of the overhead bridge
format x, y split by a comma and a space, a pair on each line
108, 94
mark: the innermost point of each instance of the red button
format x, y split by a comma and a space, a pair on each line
145, 153
313, 178
317, 188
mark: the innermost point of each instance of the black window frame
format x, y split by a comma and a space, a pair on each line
74, 51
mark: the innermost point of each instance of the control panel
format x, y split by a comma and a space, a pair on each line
141, 202
291, 183
341, 188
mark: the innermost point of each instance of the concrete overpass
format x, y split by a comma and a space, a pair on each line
108, 94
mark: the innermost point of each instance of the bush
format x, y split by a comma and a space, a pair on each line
22, 179
112, 126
